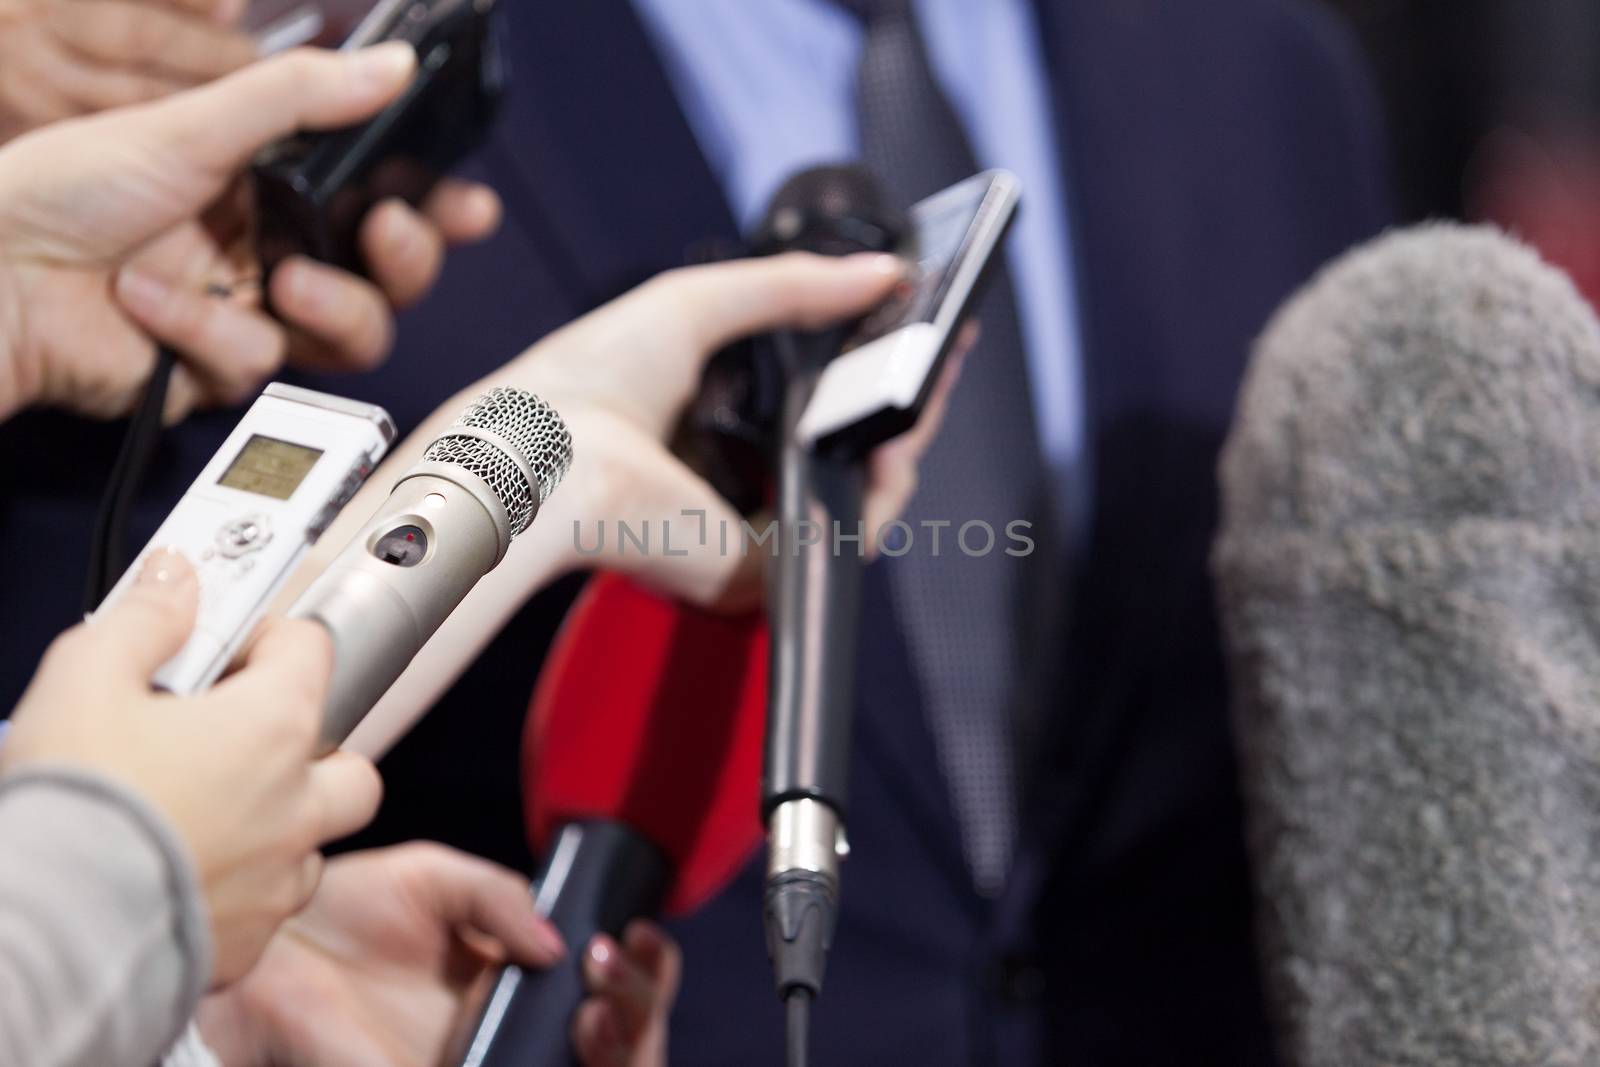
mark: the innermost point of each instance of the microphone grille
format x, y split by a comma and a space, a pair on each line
530, 426
832, 210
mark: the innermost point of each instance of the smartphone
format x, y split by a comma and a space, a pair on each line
278, 25
878, 385
314, 189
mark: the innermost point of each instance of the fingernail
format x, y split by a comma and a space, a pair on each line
400, 239
381, 66
165, 568
550, 938
484, 202
883, 263
603, 955
303, 293
142, 291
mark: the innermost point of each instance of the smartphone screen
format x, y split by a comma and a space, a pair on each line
940, 231
277, 25
876, 390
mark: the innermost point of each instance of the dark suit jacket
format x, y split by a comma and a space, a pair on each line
1218, 152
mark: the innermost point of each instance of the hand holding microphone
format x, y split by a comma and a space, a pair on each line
231, 769
390, 960
625, 374
634, 982
127, 229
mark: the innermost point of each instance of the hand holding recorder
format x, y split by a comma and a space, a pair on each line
231, 769
71, 57
131, 228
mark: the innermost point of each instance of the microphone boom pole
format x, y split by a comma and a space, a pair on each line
813, 606
815, 603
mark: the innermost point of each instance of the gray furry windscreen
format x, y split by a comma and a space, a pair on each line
1409, 578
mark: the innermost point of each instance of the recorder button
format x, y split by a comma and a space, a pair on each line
244, 534
341, 496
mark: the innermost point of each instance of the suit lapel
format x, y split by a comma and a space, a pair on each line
1112, 104
1222, 160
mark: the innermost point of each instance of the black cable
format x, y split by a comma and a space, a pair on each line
798, 1003
108, 549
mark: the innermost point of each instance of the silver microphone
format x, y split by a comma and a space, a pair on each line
448, 522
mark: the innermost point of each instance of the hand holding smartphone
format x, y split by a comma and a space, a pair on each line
313, 190
877, 387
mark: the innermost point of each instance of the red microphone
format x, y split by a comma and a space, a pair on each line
641, 766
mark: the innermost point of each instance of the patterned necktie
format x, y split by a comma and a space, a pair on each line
962, 613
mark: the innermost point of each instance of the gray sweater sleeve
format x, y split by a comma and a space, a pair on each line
104, 947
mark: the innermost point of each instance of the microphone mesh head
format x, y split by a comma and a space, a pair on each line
834, 191
830, 210
530, 426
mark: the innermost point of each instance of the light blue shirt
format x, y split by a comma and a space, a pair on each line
768, 87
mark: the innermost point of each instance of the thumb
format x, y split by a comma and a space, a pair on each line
153, 617
220, 126
723, 302
347, 790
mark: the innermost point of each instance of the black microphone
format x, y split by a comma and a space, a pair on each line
813, 604
1409, 577
637, 773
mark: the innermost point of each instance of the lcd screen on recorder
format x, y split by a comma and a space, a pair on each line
267, 466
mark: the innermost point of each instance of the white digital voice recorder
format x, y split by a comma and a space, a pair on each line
284, 473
